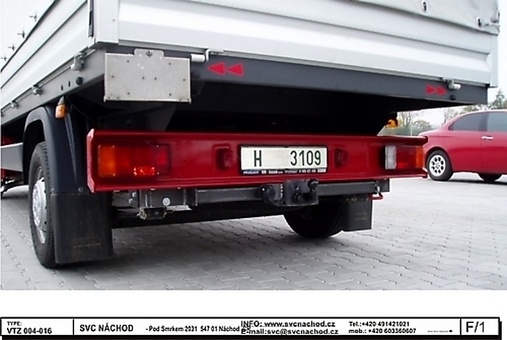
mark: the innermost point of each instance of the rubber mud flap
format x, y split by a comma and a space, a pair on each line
82, 227
357, 215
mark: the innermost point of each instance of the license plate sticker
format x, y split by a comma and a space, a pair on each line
275, 160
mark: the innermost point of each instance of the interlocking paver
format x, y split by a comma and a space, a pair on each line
423, 241
211, 282
282, 284
248, 283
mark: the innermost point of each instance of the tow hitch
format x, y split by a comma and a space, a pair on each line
297, 193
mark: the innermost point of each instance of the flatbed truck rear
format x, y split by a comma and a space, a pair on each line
129, 113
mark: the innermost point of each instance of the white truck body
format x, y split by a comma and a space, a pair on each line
439, 39
118, 112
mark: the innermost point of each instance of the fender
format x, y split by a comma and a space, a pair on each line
82, 220
65, 148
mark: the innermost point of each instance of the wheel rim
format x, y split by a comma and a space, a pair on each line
437, 166
39, 207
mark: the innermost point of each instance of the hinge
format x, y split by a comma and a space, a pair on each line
78, 62
202, 58
90, 18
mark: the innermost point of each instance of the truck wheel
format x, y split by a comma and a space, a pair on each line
318, 221
40, 215
489, 177
439, 166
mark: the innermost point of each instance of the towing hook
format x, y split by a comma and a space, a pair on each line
301, 196
376, 196
312, 184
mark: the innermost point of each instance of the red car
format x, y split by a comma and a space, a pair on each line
474, 142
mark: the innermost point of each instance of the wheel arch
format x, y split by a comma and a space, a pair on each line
433, 149
33, 135
64, 146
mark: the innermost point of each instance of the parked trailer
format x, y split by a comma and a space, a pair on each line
125, 113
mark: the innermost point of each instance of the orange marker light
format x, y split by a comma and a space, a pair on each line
392, 123
61, 109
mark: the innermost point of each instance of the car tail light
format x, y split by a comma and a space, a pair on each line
133, 161
402, 157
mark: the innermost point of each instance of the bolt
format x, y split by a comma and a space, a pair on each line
166, 201
134, 194
149, 53
79, 81
425, 6
36, 90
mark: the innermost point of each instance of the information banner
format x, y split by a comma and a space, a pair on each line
258, 328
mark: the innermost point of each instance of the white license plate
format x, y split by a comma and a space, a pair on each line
273, 160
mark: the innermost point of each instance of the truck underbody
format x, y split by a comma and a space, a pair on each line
134, 131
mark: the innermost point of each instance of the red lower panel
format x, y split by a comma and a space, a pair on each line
153, 160
7, 174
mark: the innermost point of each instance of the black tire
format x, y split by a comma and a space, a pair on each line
319, 221
439, 166
41, 226
490, 178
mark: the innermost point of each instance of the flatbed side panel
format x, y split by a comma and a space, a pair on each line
467, 13
60, 36
342, 34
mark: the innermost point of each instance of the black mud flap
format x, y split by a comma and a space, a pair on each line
357, 214
82, 223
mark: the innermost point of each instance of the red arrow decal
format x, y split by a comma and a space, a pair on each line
430, 89
441, 91
236, 69
217, 68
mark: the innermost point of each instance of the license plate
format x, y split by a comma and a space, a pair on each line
274, 160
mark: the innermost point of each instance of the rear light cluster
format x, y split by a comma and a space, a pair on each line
123, 161
403, 157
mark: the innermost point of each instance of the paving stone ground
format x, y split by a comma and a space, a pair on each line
426, 235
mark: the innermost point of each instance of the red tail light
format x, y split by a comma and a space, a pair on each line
128, 159
402, 157
124, 161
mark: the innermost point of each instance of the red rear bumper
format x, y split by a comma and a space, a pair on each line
154, 160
